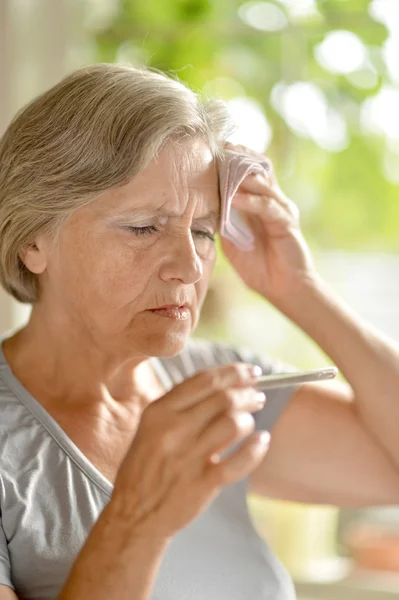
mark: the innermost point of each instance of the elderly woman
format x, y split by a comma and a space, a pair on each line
127, 450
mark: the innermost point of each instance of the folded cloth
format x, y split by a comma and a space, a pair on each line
233, 167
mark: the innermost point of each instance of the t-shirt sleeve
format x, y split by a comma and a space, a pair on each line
5, 568
209, 354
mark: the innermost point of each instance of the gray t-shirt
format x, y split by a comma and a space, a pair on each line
51, 495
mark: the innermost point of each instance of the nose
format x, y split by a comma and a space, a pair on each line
181, 260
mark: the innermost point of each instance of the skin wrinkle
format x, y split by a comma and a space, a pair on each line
100, 280
141, 219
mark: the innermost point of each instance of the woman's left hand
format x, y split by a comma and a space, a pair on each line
281, 260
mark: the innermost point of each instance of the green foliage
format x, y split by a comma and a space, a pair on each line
346, 200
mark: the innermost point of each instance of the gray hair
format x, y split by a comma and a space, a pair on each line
94, 130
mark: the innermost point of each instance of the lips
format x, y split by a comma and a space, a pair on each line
172, 311
171, 306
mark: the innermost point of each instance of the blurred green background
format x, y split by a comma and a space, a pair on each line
315, 85
311, 82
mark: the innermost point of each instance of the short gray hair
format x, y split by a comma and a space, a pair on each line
93, 131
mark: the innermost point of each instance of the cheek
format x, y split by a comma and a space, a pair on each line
122, 273
112, 272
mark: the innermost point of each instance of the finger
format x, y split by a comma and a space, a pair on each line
256, 183
221, 419
200, 386
242, 462
267, 207
225, 431
261, 186
233, 400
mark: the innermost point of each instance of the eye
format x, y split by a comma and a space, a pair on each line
142, 230
205, 235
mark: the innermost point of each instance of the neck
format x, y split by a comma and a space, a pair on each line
77, 368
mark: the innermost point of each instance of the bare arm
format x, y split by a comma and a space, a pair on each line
369, 361
170, 474
166, 479
6, 593
114, 563
281, 269
321, 452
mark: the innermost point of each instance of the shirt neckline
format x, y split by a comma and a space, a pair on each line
54, 429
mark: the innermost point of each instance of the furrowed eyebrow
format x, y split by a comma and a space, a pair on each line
211, 218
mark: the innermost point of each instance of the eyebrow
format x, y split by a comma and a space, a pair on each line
212, 217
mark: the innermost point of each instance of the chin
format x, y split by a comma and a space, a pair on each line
166, 345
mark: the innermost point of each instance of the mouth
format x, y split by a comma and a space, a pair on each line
170, 306
172, 311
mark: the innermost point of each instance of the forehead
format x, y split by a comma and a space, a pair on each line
183, 177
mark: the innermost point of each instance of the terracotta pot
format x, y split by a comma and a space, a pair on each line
374, 549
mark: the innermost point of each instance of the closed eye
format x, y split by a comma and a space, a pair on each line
205, 234
148, 229
143, 230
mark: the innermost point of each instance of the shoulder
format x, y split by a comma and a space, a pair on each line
10, 408
20, 432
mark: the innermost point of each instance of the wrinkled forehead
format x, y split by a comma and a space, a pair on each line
189, 164
182, 178
183, 172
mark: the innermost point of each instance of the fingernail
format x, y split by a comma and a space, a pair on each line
255, 370
260, 398
264, 438
214, 458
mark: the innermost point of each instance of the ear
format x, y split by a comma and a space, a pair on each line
34, 256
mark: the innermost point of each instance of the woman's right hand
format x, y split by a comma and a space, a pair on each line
173, 468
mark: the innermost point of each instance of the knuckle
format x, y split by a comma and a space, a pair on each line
257, 202
220, 477
294, 210
242, 372
217, 475
227, 400
166, 442
218, 379
251, 423
149, 415
155, 417
233, 425
213, 379
240, 424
